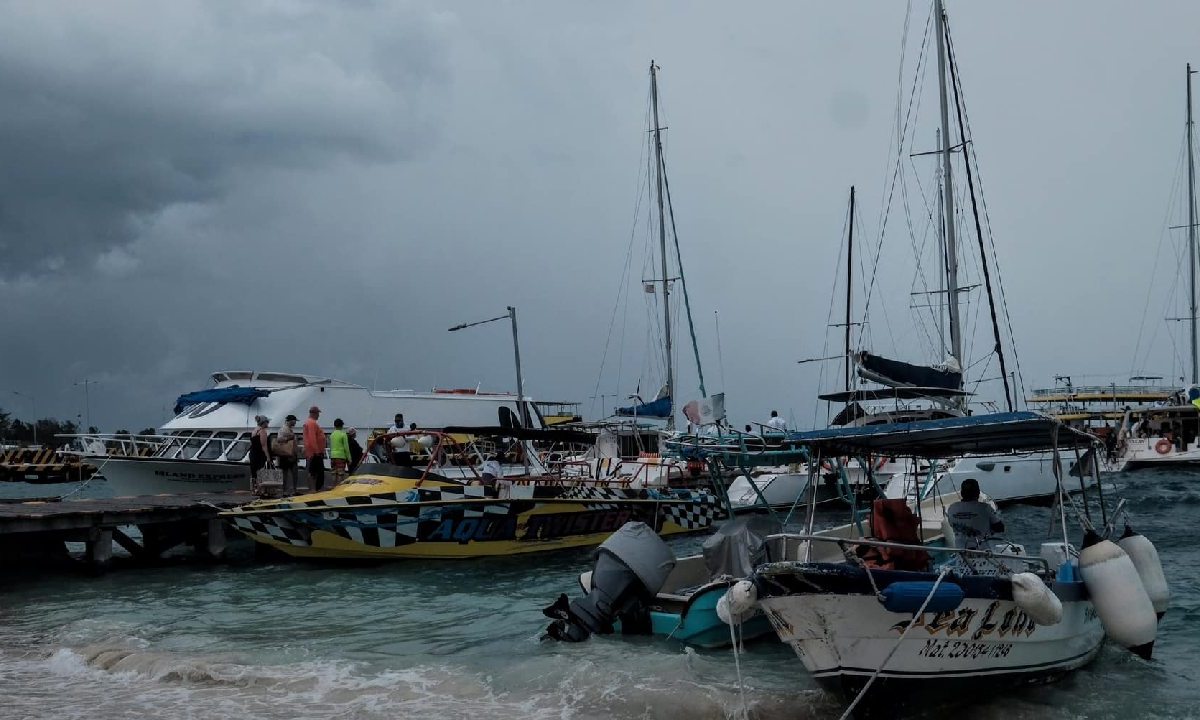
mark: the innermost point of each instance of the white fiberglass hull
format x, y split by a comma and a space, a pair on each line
157, 476
843, 639
1156, 452
1003, 478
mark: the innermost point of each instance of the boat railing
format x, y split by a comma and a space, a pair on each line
115, 443
844, 544
1104, 391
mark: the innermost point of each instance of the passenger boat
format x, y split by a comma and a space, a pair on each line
205, 447
448, 509
986, 618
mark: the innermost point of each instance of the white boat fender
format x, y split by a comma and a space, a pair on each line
1121, 602
1038, 601
1145, 558
738, 602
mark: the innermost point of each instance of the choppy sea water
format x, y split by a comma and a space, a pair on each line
460, 640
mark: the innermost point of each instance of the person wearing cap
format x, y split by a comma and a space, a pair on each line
284, 450
339, 452
973, 521
314, 449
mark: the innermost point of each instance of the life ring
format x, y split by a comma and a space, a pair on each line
1163, 446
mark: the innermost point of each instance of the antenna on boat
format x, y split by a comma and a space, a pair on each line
1192, 231
662, 241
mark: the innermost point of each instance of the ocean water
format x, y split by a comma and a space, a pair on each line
461, 640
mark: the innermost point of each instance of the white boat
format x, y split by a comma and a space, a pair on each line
205, 447
883, 633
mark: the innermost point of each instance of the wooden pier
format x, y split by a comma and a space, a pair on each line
32, 531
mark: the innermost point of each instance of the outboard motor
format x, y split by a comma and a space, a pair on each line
631, 567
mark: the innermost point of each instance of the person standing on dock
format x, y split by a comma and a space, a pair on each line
339, 452
314, 449
776, 422
284, 451
260, 447
356, 450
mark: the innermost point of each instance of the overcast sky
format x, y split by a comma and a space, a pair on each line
326, 187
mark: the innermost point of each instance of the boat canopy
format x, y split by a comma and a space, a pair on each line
892, 393
236, 393
893, 372
660, 408
951, 437
516, 433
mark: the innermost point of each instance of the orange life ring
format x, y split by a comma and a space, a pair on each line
1163, 446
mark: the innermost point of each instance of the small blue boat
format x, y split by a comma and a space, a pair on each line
686, 608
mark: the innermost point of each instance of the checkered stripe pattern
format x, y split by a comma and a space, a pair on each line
694, 513
270, 527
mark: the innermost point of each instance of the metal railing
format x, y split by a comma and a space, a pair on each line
966, 552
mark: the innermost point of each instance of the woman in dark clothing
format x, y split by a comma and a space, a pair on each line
260, 449
356, 450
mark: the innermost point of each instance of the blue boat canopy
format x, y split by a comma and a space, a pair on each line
986, 434
660, 408
235, 393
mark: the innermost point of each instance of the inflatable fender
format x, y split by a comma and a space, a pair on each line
1149, 568
1038, 601
738, 602
1121, 602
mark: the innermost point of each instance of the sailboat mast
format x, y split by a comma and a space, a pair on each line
941, 315
662, 241
1191, 231
849, 281
948, 193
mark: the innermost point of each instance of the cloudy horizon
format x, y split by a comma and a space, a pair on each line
325, 188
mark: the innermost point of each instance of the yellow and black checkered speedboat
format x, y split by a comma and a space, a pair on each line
395, 511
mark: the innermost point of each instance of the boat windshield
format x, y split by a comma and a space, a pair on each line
193, 445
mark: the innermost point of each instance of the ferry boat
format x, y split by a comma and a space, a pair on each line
205, 447
450, 509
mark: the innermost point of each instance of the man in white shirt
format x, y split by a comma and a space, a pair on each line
398, 425
973, 521
400, 452
776, 422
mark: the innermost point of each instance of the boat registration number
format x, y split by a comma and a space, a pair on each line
963, 649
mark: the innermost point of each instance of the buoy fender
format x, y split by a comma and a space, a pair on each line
1145, 559
1038, 601
738, 602
1121, 602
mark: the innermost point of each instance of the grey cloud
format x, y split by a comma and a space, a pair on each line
112, 113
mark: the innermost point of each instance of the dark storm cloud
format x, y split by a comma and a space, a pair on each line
111, 113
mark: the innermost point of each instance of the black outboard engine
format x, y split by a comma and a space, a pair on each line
631, 567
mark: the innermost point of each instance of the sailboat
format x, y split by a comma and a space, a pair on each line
893, 620
653, 465
1169, 434
912, 391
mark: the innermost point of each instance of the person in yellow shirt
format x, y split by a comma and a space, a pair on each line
339, 451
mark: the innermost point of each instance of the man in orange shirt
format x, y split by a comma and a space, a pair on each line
314, 449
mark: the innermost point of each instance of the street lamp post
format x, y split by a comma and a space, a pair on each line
32, 410
512, 316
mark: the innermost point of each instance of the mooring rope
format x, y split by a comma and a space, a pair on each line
862, 693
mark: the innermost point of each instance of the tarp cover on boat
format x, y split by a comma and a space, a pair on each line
235, 393
739, 546
660, 408
894, 372
985, 434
